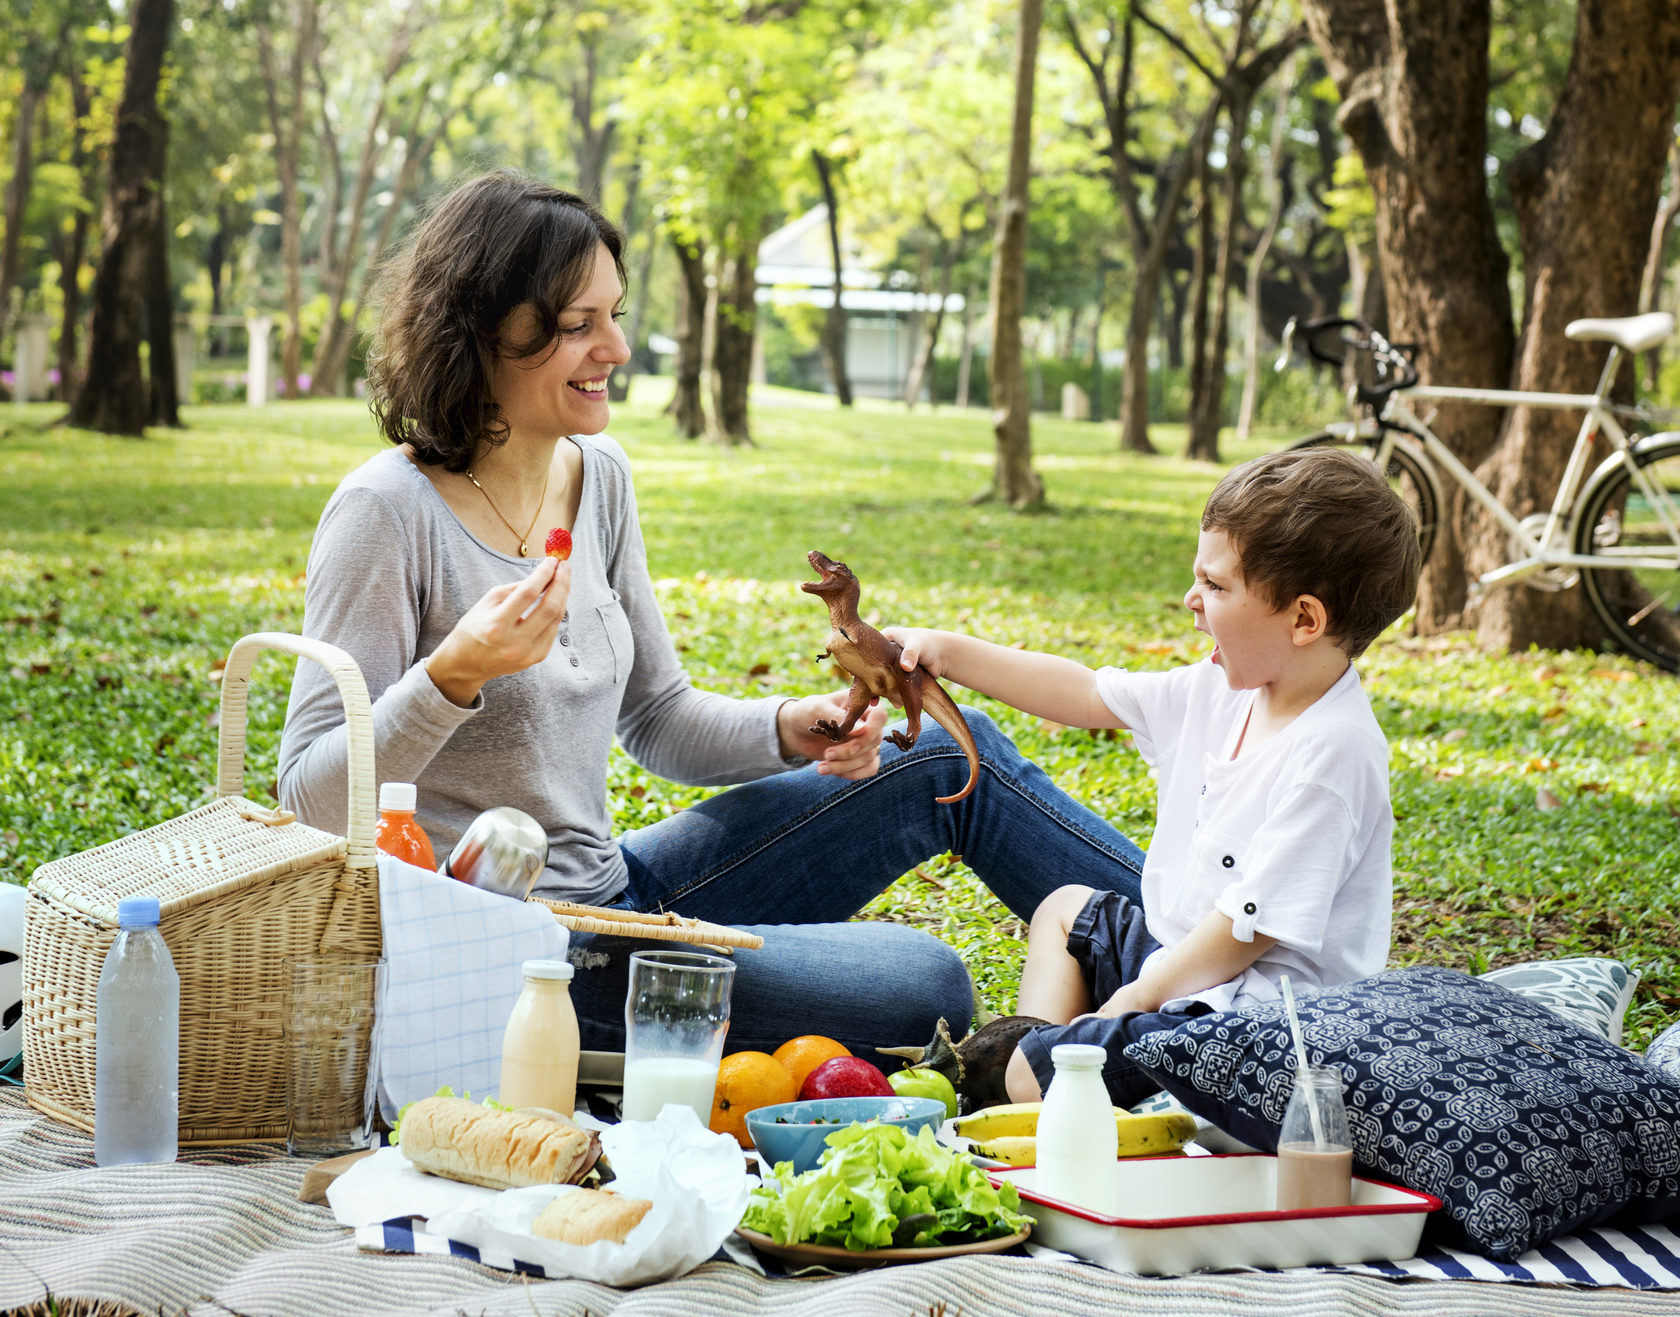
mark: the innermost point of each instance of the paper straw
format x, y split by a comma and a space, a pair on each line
1301, 1066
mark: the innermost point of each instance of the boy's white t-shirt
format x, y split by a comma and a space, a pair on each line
1292, 840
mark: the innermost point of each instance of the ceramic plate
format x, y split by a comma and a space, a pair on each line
844, 1259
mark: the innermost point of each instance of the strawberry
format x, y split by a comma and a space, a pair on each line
559, 543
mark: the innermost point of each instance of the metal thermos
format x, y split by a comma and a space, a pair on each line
503, 850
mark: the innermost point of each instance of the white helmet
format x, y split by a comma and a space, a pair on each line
12, 898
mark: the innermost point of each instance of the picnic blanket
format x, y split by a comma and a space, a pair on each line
221, 1231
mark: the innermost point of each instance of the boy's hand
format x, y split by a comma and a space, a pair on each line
920, 646
1127, 999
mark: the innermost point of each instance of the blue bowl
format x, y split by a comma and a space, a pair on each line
785, 1132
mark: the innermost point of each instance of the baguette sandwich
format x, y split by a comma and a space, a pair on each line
586, 1216
461, 1140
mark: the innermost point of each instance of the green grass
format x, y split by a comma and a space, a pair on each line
128, 567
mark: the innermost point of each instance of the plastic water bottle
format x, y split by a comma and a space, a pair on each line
136, 1090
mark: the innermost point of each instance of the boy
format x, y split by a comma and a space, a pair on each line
1271, 848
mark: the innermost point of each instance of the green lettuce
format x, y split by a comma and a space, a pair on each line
445, 1091
878, 1187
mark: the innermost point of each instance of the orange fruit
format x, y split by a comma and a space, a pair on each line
747, 1081
805, 1053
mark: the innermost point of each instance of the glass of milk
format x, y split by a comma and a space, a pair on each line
675, 1017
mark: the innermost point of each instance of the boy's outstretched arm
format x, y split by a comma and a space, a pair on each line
1045, 685
1208, 956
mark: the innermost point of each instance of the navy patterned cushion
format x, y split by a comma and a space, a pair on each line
1525, 1125
1591, 990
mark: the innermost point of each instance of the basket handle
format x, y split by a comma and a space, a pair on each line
358, 724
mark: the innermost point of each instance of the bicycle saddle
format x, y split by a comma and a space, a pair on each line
1635, 333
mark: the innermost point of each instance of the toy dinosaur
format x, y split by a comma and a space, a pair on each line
976, 1065
871, 660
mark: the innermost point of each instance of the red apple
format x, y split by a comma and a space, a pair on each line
845, 1076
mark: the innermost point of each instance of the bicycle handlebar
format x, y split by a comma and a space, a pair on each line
1392, 367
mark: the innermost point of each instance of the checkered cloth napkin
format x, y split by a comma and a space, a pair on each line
454, 954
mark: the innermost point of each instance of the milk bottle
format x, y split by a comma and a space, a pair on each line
1078, 1140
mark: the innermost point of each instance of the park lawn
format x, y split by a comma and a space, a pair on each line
1535, 794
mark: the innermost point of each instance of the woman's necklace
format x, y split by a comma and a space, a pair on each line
524, 539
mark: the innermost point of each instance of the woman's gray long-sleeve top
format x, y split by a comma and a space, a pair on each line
391, 571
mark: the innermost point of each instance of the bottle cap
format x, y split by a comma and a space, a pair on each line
1077, 1056
555, 969
396, 795
137, 911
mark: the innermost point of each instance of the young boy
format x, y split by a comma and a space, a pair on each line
1271, 847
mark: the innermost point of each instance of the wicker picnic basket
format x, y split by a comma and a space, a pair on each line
242, 889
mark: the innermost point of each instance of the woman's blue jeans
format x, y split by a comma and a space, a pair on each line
794, 856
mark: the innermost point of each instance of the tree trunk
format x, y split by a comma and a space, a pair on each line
1608, 137
921, 372
18, 187
965, 356
74, 245
594, 137
160, 303
834, 322
113, 399
286, 123
1413, 75
1014, 481
1272, 186
1208, 407
688, 406
618, 383
417, 150
1650, 283
1201, 280
735, 320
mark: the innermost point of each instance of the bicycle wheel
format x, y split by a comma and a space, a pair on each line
1410, 474
1618, 517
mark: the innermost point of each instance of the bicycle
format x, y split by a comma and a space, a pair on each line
1616, 531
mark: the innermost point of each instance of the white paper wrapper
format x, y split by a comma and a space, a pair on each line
696, 1180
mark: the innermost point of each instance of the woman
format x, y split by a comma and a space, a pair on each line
500, 682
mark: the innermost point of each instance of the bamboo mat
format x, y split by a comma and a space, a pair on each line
665, 927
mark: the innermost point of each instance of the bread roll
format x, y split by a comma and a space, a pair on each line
586, 1216
464, 1141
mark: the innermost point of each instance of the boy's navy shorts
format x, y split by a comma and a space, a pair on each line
1110, 943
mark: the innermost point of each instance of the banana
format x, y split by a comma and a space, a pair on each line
1019, 1119
1012, 1127
1014, 1149
1142, 1136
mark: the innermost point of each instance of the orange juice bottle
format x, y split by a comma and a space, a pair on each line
397, 834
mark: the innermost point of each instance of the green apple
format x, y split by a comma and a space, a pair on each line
925, 1083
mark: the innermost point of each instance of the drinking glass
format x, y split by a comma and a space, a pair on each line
1315, 1151
675, 1017
332, 1033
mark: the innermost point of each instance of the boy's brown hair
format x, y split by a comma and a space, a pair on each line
1323, 522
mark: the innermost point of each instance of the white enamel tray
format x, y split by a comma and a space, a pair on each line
1204, 1213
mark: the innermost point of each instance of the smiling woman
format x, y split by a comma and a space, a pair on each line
497, 682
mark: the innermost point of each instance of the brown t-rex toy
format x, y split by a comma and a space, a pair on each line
871, 660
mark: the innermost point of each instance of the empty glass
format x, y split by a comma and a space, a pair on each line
675, 1017
332, 1054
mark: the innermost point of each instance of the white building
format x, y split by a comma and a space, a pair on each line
884, 324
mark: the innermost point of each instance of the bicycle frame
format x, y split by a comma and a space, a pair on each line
1551, 547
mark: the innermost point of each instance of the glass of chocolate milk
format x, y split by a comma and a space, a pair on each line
1315, 1154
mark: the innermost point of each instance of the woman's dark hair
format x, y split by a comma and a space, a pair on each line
497, 242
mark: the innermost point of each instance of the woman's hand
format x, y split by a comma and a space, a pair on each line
508, 630
859, 755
